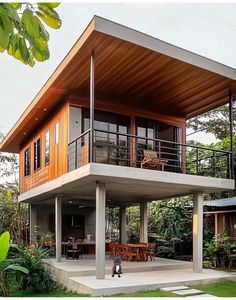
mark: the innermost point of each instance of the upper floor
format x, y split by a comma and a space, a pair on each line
121, 97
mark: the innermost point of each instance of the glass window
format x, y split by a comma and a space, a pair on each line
111, 142
37, 154
47, 147
57, 132
27, 162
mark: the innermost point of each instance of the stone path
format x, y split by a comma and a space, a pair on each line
183, 291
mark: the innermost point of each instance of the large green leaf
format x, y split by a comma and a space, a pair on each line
16, 5
31, 23
17, 268
10, 11
50, 20
40, 55
13, 44
6, 23
4, 38
4, 245
23, 50
52, 4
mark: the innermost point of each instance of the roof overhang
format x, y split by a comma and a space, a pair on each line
130, 65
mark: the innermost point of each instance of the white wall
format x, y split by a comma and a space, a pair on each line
75, 117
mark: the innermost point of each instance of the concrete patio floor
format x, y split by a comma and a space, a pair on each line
79, 275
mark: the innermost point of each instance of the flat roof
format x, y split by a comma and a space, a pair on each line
134, 67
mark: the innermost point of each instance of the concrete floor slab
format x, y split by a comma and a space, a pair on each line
187, 292
174, 288
86, 266
140, 281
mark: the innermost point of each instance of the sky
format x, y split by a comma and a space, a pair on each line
207, 29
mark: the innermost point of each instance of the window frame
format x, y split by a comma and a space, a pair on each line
27, 150
57, 132
47, 147
39, 158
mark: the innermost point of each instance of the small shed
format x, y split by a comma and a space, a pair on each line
224, 213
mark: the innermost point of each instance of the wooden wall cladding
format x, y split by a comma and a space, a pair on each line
58, 153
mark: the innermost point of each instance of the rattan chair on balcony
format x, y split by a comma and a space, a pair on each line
151, 161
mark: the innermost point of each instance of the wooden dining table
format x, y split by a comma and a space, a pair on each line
141, 250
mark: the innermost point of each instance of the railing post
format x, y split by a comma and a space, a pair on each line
214, 163
159, 149
197, 159
76, 153
231, 133
228, 165
91, 139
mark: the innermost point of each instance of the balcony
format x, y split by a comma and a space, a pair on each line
114, 148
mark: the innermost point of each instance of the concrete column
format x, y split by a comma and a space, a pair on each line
123, 235
33, 223
143, 223
197, 232
100, 229
58, 231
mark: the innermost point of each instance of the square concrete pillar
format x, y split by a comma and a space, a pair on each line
33, 220
143, 223
100, 229
58, 231
123, 234
197, 232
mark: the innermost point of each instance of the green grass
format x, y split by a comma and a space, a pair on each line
55, 293
221, 289
156, 293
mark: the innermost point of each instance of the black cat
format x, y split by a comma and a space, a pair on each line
117, 266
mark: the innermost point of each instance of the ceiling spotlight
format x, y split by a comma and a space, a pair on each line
44, 109
24, 132
70, 202
36, 119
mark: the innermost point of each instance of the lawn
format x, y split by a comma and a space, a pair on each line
55, 293
222, 289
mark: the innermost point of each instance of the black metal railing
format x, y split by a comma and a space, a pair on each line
128, 150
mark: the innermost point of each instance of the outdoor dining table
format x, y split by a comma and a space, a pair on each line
141, 248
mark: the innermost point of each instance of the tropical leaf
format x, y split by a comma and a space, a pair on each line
6, 23
4, 245
51, 20
16, 5
4, 38
52, 4
10, 11
31, 23
17, 268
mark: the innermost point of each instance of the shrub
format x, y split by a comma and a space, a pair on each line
6, 266
210, 254
39, 278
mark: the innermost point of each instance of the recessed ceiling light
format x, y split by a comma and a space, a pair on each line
36, 119
45, 109
24, 132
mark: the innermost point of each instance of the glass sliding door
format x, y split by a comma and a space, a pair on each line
147, 130
111, 142
168, 150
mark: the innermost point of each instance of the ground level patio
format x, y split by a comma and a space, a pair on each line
80, 275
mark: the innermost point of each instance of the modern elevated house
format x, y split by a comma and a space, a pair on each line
109, 129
